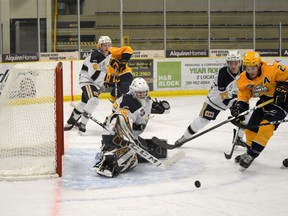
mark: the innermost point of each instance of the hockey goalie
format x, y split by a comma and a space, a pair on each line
129, 119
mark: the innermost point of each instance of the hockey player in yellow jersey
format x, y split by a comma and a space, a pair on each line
263, 80
119, 75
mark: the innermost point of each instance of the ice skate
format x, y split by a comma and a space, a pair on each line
246, 160
71, 123
82, 128
238, 158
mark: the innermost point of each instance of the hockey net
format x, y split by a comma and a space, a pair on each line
31, 122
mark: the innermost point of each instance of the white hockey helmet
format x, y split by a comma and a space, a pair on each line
139, 88
233, 55
104, 39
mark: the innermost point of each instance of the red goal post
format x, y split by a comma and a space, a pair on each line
31, 122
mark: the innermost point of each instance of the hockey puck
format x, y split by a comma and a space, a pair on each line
285, 162
197, 184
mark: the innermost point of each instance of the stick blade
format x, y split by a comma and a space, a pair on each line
227, 156
172, 160
235, 134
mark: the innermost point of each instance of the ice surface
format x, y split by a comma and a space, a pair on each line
147, 191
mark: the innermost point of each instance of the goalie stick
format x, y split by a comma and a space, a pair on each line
140, 151
162, 144
155, 161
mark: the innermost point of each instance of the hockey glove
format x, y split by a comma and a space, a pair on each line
160, 107
237, 108
110, 80
280, 94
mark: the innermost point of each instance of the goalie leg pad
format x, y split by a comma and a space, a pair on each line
105, 166
126, 160
114, 160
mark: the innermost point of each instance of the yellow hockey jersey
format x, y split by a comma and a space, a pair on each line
264, 83
117, 53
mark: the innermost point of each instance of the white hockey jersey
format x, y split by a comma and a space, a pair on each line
94, 69
138, 116
224, 91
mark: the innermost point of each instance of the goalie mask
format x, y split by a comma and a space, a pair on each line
139, 89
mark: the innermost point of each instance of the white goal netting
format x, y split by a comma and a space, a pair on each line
28, 122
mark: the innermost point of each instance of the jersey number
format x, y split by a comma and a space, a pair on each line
282, 67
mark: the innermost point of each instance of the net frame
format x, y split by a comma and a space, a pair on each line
58, 133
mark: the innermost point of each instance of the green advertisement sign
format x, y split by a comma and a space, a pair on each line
169, 75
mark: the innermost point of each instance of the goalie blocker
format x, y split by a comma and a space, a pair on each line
152, 148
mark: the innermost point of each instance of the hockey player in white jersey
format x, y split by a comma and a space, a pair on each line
221, 97
135, 107
91, 79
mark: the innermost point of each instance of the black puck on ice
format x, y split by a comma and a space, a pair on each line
197, 184
285, 162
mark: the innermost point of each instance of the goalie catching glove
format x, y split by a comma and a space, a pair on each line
119, 65
237, 108
160, 107
280, 94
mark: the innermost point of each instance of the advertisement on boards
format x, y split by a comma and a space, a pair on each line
224, 52
25, 57
186, 53
143, 68
58, 56
184, 74
148, 54
4, 73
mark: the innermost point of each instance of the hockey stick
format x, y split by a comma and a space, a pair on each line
150, 158
162, 144
235, 135
239, 124
91, 117
116, 85
140, 151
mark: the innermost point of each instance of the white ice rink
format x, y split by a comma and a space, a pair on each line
148, 191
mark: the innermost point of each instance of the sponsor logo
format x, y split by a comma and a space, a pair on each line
19, 58
186, 53
4, 76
